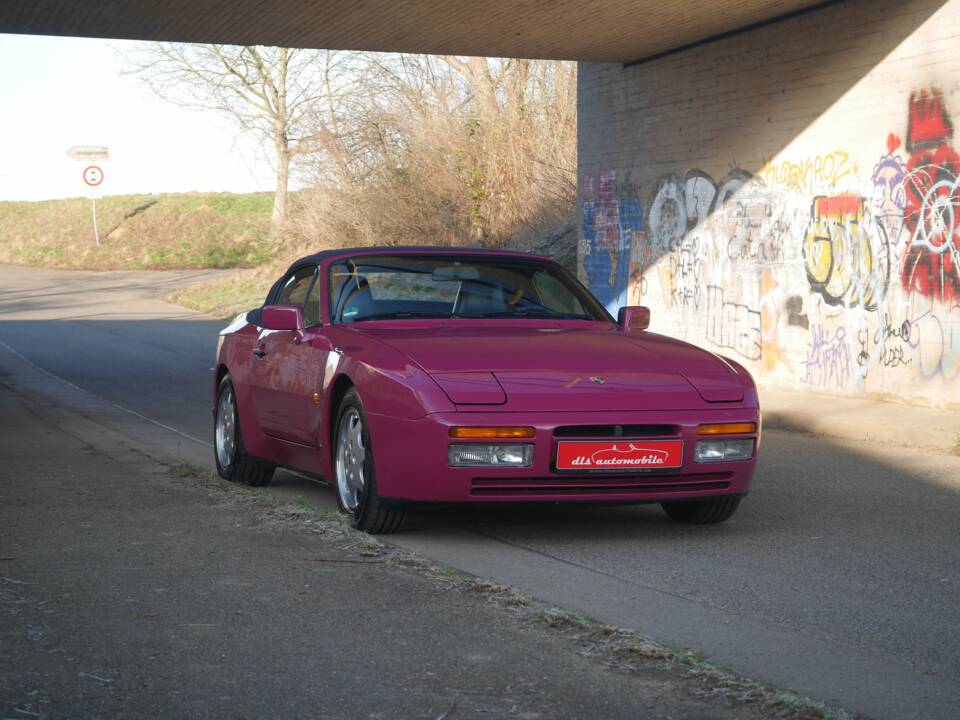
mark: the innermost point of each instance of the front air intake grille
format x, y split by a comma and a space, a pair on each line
616, 431
601, 485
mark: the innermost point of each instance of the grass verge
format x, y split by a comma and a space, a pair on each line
156, 232
225, 296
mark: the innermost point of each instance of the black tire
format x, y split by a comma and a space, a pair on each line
370, 514
702, 512
239, 466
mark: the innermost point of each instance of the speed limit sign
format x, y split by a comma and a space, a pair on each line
92, 175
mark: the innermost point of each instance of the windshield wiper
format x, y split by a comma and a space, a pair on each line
401, 315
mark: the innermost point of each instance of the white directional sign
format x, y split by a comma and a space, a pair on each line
89, 152
92, 175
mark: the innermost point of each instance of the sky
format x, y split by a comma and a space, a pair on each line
59, 92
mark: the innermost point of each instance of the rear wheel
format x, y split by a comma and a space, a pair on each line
702, 512
233, 462
355, 473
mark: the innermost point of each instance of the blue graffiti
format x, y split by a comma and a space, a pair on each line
609, 284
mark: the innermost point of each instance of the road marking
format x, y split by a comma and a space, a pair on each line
105, 400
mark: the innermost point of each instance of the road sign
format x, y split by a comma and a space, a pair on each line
92, 175
89, 152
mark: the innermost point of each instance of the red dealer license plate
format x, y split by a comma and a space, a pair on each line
620, 455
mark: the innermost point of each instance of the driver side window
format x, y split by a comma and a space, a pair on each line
303, 289
311, 308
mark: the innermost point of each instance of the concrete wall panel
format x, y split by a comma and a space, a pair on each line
790, 197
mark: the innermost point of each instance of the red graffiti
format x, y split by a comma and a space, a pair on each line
608, 218
929, 124
931, 262
893, 142
837, 205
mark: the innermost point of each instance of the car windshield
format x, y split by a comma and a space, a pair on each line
456, 286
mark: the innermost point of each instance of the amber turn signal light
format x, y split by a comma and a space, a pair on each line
727, 429
487, 433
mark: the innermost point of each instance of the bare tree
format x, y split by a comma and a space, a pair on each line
447, 149
287, 96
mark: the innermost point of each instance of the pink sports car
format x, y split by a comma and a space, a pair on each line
441, 375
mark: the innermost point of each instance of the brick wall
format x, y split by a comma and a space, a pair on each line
790, 197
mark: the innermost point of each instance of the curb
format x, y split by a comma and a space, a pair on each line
860, 420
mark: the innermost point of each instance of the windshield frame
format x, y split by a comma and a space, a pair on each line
596, 311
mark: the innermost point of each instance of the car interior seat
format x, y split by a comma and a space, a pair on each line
358, 300
480, 299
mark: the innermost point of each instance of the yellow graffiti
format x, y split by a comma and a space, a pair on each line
812, 174
838, 248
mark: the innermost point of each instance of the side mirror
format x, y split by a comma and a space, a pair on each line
281, 317
634, 318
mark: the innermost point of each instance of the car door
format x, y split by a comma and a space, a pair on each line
288, 366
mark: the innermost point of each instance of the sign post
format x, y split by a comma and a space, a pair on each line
93, 176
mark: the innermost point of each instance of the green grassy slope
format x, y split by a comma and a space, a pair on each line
192, 230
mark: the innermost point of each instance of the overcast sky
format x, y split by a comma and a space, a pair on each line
59, 92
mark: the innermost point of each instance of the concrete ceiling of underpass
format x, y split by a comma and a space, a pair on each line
603, 30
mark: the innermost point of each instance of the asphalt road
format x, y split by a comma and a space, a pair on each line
839, 576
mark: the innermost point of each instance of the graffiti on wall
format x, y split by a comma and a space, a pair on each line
936, 342
773, 308
749, 215
827, 365
732, 325
889, 199
686, 272
887, 346
792, 270
806, 176
678, 205
611, 216
931, 264
847, 254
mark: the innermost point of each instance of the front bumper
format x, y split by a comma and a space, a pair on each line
411, 460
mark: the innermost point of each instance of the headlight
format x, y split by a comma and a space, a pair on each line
490, 455
723, 450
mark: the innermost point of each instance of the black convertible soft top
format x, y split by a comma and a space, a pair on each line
319, 257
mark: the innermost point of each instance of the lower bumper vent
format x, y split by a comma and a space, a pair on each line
601, 485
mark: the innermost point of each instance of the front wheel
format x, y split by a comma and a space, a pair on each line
355, 473
233, 462
702, 512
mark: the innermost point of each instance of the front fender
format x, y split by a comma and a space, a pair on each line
388, 382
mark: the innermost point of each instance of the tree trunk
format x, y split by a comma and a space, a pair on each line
281, 139
484, 87
279, 216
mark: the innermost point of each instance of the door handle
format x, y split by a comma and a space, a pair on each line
259, 351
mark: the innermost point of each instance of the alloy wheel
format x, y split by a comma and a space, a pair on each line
226, 429
351, 459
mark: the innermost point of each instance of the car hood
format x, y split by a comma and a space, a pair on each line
582, 367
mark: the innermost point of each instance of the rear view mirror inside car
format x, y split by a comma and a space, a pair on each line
453, 273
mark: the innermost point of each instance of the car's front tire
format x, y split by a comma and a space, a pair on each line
233, 462
355, 474
702, 512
